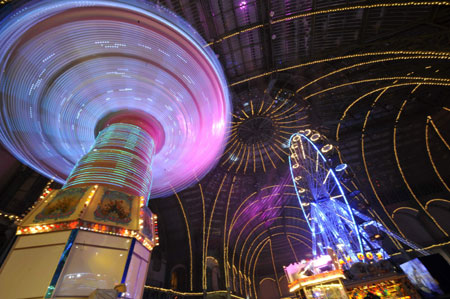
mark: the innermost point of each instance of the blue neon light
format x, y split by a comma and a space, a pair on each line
316, 210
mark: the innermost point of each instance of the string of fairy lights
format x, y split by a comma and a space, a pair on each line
225, 251
429, 80
341, 58
396, 84
344, 115
404, 208
394, 136
17, 219
397, 160
9, 216
376, 61
259, 130
246, 250
330, 11
188, 233
430, 156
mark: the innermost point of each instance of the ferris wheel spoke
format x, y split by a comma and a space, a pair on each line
319, 178
312, 177
325, 181
303, 150
328, 184
317, 161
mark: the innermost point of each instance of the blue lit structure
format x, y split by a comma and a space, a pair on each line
333, 222
319, 192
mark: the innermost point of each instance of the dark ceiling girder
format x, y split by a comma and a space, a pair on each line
266, 32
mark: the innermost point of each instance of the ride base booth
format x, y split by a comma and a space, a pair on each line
323, 285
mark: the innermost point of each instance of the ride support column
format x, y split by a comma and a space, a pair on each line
94, 233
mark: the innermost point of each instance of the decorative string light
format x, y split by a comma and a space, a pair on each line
234, 218
403, 175
225, 249
344, 114
258, 249
209, 224
434, 200
365, 163
438, 133
288, 112
367, 63
396, 243
332, 10
236, 243
262, 160
237, 215
10, 216
189, 294
357, 100
351, 56
292, 248
427, 144
367, 94
88, 226
243, 247
203, 236
241, 160
274, 268
368, 6
247, 262
266, 278
438, 80
186, 222
424, 248
403, 208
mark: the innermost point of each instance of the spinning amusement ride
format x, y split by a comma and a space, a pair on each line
115, 100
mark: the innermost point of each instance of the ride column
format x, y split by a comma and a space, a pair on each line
94, 233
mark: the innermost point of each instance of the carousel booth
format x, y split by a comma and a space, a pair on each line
378, 279
324, 278
318, 278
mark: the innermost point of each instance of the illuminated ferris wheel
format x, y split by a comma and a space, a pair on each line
324, 202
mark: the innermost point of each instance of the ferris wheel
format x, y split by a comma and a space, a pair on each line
324, 203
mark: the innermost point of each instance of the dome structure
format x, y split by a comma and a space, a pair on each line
372, 77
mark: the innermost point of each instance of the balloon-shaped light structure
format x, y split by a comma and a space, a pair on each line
71, 69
